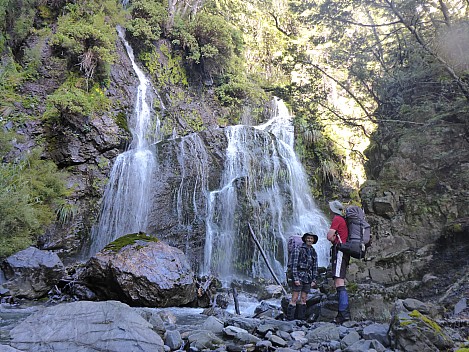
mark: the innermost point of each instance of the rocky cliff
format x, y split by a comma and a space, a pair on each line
417, 200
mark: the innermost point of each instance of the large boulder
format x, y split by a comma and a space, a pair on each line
414, 331
32, 272
140, 270
86, 327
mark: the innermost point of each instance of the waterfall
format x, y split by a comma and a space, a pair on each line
125, 204
263, 183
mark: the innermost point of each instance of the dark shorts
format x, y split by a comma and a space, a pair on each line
304, 287
340, 263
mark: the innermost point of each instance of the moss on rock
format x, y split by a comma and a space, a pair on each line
127, 240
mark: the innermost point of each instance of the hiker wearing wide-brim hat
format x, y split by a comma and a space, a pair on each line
338, 233
336, 207
315, 237
304, 269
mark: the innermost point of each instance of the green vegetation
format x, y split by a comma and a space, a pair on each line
147, 22
32, 193
86, 34
73, 100
205, 43
419, 316
127, 240
168, 69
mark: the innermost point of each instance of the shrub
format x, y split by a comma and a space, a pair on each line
147, 21
209, 40
31, 190
234, 88
87, 35
71, 99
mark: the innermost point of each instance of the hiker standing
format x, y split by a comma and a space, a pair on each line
338, 233
304, 269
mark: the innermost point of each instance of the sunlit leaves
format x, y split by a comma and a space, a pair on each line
148, 18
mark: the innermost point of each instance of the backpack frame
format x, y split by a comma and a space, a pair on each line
359, 233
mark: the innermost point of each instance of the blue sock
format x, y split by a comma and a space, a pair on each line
343, 298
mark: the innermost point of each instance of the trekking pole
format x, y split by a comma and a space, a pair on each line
265, 259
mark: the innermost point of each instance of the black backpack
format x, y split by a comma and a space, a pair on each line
359, 233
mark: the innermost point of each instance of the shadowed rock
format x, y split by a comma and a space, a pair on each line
31, 273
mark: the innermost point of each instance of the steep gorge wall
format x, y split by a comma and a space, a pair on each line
416, 197
417, 201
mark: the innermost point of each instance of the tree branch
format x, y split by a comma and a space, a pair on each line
277, 25
349, 92
411, 28
345, 120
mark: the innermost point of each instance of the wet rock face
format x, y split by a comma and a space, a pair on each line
141, 273
85, 145
187, 169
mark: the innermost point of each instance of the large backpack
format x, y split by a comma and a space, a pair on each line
359, 233
293, 242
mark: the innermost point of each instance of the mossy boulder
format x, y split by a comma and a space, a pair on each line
414, 331
140, 270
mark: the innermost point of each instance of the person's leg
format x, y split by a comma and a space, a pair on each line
341, 263
304, 297
292, 305
301, 308
339, 282
343, 307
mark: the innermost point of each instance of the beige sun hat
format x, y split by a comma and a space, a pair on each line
336, 207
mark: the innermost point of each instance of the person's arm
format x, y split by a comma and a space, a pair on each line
315, 268
315, 265
331, 235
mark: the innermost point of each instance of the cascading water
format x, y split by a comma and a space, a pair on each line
126, 198
264, 184
192, 155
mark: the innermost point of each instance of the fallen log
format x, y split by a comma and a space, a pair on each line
261, 250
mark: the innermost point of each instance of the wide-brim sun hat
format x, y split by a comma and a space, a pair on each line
316, 238
336, 207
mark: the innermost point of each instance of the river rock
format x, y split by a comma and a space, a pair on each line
141, 271
414, 331
326, 332
86, 327
377, 332
31, 273
214, 325
173, 340
366, 345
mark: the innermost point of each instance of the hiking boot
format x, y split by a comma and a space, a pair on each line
291, 312
301, 311
341, 318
